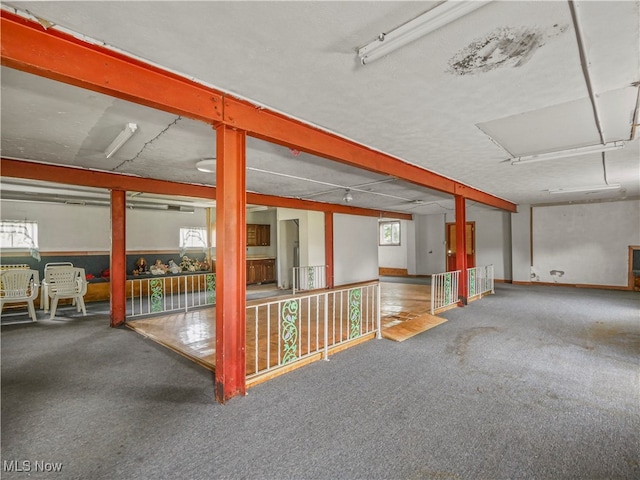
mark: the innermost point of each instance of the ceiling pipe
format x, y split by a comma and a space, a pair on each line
335, 185
585, 68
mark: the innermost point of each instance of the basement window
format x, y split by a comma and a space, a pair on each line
389, 233
193, 237
19, 234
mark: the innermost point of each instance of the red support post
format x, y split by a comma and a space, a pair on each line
328, 246
230, 371
461, 248
118, 258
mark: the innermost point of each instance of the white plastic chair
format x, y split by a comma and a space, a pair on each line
19, 286
66, 282
44, 291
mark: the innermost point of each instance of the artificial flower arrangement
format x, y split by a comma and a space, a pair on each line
193, 264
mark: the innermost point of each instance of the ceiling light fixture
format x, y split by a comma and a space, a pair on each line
348, 198
207, 165
571, 152
120, 140
424, 24
587, 189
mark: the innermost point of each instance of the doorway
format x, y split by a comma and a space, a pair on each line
289, 251
470, 232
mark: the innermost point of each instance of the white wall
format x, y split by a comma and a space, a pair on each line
430, 245
588, 243
158, 230
521, 244
64, 228
315, 238
396, 256
75, 228
311, 239
493, 239
355, 248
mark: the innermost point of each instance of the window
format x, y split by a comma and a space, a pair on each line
193, 237
18, 234
390, 233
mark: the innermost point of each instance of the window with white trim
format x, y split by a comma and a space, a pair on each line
389, 233
19, 234
193, 237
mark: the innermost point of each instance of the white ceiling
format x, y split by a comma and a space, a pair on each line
501, 82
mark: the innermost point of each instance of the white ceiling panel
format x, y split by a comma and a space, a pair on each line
510, 71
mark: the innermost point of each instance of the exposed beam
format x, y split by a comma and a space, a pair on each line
274, 127
97, 179
118, 181
28, 47
118, 258
230, 372
461, 249
286, 202
328, 247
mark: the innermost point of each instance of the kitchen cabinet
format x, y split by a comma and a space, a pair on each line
261, 270
258, 235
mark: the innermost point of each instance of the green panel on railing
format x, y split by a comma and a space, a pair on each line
211, 288
355, 312
157, 294
472, 282
289, 315
447, 288
311, 279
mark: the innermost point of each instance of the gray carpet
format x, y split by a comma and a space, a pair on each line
530, 383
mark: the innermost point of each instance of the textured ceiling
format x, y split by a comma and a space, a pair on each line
503, 81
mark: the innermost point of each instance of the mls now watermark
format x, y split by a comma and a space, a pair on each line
30, 466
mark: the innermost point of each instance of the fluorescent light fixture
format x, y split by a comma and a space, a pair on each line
256, 208
123, 136
207, 165
590, 188
571, 152
424, 24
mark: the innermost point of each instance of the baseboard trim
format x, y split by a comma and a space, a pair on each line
393, 272
576, 285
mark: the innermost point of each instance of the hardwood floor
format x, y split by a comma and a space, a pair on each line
192, 334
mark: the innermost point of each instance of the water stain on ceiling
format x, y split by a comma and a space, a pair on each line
501, 48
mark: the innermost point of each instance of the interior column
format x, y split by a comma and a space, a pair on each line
230, 370
328, 246
118, 258
461, 248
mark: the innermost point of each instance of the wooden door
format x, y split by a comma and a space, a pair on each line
451, 245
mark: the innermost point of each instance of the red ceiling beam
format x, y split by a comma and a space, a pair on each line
286, 202
29, 47
274, 127
118, 181
91, 178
